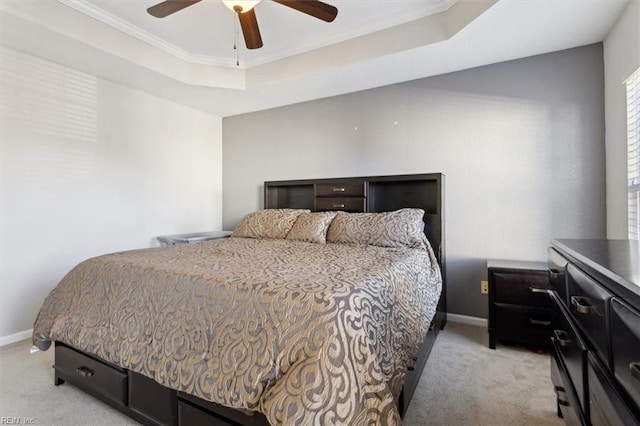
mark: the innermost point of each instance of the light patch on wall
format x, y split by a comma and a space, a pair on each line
47, 98
56, 109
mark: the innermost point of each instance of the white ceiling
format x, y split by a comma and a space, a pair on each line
188, 57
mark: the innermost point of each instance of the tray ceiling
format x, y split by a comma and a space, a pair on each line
188, 57
204, 32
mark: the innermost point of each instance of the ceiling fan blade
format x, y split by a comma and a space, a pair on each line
169, 7
315, 8
250, 29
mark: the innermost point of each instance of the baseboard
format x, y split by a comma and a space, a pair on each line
16, 337
464, 319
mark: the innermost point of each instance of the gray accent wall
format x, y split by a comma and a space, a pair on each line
521, 144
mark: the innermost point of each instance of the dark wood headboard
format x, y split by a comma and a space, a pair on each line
371, 194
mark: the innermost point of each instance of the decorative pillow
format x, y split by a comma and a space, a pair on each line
311, 227
268, 223
400, 228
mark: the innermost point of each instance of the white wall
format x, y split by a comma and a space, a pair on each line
89, 167
521, 145
621, 58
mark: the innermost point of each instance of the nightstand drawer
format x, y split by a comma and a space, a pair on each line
522, 289
341, 190
523, 324
625, 347
519, 302
91, 375
355, 204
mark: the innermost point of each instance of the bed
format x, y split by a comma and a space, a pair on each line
315, 311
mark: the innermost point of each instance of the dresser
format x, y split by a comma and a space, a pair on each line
595, 316
518, 303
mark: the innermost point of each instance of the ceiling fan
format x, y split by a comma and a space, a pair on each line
247, 16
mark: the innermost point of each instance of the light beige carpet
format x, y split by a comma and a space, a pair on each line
464, 383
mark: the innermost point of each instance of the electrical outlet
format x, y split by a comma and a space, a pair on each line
484, 287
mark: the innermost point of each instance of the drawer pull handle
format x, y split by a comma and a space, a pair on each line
338, 206
554, 274
539, 322
558, 388
634, 368
413, 364
583, 306
84, 371
338, 189
538, 290
562, 338
563, 402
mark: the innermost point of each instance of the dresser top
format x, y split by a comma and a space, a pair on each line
617, 260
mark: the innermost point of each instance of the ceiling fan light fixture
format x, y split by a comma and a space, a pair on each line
240, 6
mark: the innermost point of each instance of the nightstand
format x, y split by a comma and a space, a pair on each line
519, 303
194, 237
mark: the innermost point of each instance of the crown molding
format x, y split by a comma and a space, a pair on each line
371, 26
113, 21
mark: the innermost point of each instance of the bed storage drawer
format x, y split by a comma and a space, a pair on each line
152, 400
189, 415
588, 304
353, 189
571, 348
625, 347
558, 273
354, 204
518, 289
194, 411
93, 376
607, 407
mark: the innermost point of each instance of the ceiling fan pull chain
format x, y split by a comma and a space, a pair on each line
236, 47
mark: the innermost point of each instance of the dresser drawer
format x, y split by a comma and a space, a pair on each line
589, 304
606, 406
355, 204
523, 324
571, 348
558, 273
529, 289
566, 400
91, 375
625, 347
356, 189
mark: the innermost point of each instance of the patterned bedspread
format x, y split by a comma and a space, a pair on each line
304, 333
